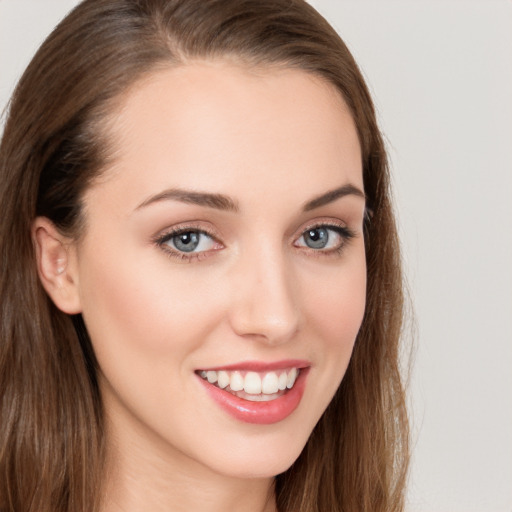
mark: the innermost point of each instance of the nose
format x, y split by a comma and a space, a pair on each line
264, 306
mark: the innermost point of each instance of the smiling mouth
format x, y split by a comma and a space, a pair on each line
250, 385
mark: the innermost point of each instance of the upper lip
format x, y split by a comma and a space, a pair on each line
262, 366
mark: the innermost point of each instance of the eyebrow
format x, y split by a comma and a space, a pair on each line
333, 195
217, 201
226, 203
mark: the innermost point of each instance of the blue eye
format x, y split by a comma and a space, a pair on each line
186, 242
316, 238
189, 241
324, 238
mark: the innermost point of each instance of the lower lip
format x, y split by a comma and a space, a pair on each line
262, 413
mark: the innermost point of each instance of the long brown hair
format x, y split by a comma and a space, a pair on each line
54, 144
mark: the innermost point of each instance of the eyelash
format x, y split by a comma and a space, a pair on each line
344, 232
161, 241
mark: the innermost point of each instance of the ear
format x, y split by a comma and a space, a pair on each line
57, 265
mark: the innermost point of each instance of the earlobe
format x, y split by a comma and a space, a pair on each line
56, 265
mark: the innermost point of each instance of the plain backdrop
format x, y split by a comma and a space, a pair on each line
441, 76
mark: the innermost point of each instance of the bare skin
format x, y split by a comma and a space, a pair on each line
280, 149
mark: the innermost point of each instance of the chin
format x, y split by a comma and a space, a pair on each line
260, 456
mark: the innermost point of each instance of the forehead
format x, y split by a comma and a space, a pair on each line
216, 125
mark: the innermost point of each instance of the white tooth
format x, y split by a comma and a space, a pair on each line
211, 376
236, 382
252, 383
261, 398
203, 374
292, 375
283, 379
223, 379
270, 383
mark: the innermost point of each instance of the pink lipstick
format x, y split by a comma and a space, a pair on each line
256, 392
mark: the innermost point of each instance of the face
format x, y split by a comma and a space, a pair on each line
222, 271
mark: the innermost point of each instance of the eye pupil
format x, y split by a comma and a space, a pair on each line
187, 241
316, 238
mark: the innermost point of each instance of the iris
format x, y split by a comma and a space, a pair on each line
316, 238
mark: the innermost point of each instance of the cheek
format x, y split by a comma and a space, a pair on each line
145, 324
336, 305
334, 313
143, 312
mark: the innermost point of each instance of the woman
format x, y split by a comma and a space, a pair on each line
201, 288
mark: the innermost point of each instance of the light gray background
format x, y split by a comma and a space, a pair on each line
441, 75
